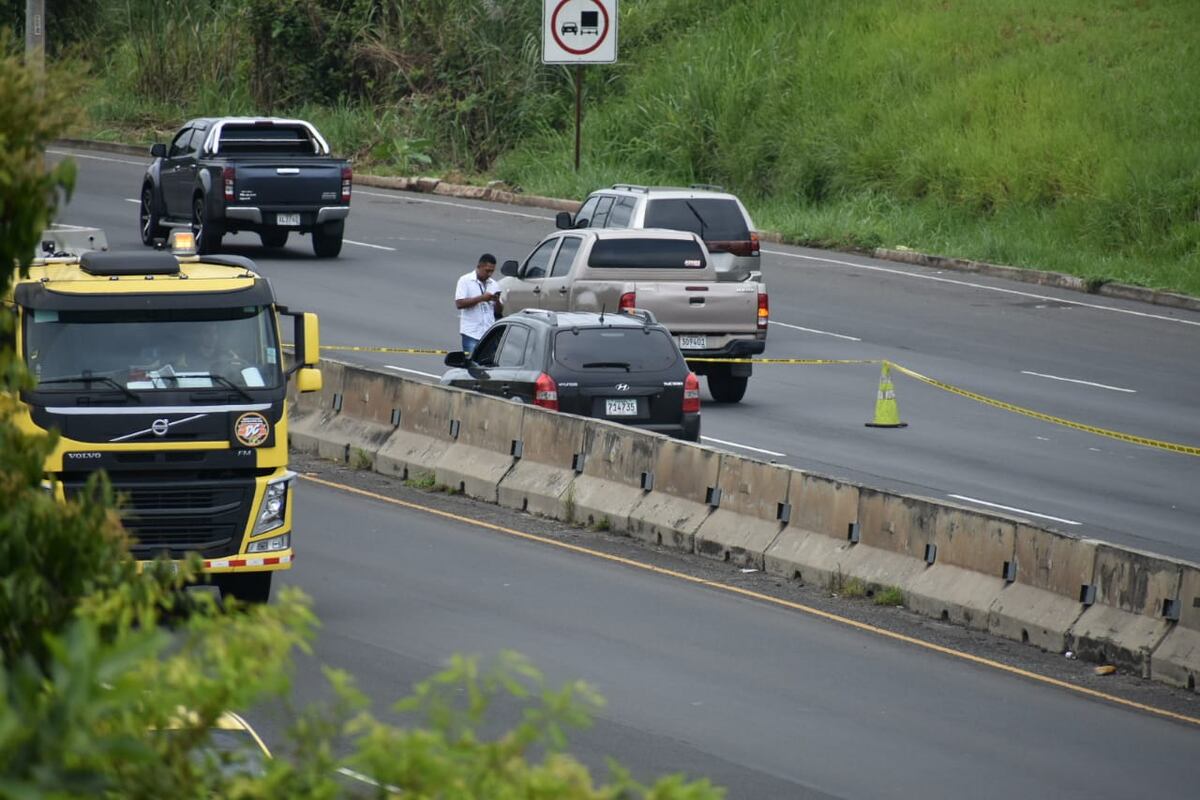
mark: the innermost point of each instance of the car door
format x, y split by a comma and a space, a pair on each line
178, 175
512, 377
556, 289
526, 291
477, 373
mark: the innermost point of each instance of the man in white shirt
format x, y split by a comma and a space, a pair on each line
477, 298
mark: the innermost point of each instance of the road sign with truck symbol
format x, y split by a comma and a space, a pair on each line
579, 32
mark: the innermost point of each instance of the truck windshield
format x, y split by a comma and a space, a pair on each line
107, 351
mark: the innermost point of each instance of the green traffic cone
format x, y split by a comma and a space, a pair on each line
887, 413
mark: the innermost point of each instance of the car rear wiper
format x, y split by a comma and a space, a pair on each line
84, 378
696, 214
607, 364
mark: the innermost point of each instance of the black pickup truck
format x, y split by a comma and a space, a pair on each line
262, 174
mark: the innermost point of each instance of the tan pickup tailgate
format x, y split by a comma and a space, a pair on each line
727, 308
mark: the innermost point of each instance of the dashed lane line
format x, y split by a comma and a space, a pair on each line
1012, 509
1076, 380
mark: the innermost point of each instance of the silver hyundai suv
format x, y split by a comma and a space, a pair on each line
711, 213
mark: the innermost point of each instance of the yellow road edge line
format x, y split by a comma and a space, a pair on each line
816, 612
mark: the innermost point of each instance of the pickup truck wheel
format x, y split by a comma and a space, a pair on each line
327, 239
208, 233
148, 218
249, 587
273, 237
726, 388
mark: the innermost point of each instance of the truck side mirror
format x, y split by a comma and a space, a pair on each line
158, 150
308, 379
312, 339
509, 268
563, 220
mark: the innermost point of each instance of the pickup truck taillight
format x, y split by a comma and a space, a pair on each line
228, 177
764, 314
545, 392
691, 394
627, 301
347, 179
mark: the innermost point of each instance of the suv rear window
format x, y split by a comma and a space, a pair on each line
613, 348
712, 219
647, 254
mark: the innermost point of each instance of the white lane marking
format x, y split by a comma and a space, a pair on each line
743, 446
133, 200
69, 227
413, 371
358, 776
96, 158
1073, 380
1015, 510
406, 198
971, 285
814, 330
366, 244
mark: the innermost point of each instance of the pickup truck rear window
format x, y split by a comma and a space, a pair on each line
712, 219
646, 254
621, 350
265, 139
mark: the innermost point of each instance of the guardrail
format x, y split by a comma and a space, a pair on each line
990, 572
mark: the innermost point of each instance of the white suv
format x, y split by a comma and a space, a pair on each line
714, 215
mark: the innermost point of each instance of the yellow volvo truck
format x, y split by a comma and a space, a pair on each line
166, 371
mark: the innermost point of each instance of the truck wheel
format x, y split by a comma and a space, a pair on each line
148, 218
249, 587
726, 388
208, 233
273, 237
327, 239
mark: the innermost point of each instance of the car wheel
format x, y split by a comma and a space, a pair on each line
273, 237
249, 587
208, 233
327, 239
148, 218
726, 388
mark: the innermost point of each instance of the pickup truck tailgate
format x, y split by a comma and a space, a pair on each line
299, 183
701, 307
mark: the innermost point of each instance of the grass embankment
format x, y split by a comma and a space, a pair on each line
1058, 136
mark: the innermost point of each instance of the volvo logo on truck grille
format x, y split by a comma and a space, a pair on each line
160, 427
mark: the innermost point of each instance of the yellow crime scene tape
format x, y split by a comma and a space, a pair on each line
1171, 447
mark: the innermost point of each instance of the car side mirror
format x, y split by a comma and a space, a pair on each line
158, 150
563, 220
456, 358
509, 268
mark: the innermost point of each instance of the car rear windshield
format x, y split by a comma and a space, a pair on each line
712, 219
615, 349
647, 254
274, 139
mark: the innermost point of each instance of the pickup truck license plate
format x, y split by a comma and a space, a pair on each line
288, 220
622, 407
693, 342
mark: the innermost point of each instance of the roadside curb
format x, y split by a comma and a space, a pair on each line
431, 185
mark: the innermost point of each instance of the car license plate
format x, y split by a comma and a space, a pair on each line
693, 342
622, 407
289, 220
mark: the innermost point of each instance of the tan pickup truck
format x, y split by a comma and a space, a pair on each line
668, 273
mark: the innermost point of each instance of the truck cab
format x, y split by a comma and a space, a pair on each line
168, 372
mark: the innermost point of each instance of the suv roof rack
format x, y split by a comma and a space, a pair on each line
711, 187
632, 187
550, 316
644, 314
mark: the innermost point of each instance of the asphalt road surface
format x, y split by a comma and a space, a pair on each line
1116, 365
764, 700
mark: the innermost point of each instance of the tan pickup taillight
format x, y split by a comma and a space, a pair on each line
764, 313
627, 301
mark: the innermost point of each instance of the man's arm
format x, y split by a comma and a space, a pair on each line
463, 299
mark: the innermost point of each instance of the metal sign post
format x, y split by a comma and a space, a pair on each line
579, 32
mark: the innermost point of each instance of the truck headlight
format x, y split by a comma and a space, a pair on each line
273, 510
